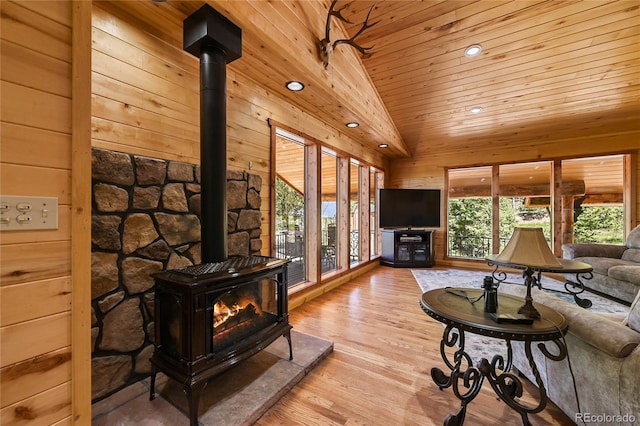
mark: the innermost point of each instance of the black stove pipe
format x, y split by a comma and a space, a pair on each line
216, 41
213, 154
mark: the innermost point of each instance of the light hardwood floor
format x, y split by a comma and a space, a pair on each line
379, 372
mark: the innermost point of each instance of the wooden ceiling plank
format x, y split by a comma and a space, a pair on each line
504, 103
526, 93
528, 132
536, 115
523, 73
430, 45
520, 56
443, 100
454, 31
539, 64
402, 19
505, 37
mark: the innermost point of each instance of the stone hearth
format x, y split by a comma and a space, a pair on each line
238, 396
146, 219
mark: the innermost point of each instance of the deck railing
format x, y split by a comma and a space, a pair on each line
473, 247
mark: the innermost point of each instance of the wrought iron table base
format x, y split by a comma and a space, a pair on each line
507, 386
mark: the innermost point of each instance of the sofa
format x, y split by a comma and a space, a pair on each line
604, 356
616, 268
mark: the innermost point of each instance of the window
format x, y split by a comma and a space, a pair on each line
469, 212
374, 186
524, 193
325, 208
354, 212
593, 208
329, 216
290, 204
486, 203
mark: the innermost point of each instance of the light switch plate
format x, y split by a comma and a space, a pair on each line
22, 213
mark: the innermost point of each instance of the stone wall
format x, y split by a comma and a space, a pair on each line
146, 219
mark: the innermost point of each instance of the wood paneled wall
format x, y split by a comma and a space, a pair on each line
146, 102
426, 169
36, 159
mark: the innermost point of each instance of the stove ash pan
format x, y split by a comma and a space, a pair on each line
209, 317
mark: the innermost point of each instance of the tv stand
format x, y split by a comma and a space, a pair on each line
407, 248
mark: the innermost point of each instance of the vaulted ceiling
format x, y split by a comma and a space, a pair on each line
548, 71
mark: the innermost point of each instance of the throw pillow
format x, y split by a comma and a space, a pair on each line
632, 254
633, 239
633, 319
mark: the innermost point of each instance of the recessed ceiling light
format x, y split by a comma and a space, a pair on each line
352, 125
383, 145
294, 86
475, 110
472, 51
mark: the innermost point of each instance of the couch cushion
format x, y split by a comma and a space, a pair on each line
633, 239
574, 251
633, 319
631, 254
601, 265
629, 273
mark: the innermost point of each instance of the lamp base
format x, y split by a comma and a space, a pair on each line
529, 310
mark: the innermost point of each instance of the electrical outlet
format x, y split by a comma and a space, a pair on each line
21, 213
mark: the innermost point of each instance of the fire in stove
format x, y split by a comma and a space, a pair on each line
243, 311
238, 311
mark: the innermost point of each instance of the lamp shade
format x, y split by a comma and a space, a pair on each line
527, 247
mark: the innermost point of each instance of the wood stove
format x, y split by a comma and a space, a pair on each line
211, 316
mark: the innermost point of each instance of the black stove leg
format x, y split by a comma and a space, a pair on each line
193, 397
287, 335
152, 385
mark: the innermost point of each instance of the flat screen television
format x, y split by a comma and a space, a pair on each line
409, 208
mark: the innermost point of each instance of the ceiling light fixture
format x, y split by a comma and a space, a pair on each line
475, 110
294, 86
383, 145
473, 51
352, 125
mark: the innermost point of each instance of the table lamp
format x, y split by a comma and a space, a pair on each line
528, 248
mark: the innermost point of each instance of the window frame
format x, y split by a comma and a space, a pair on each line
313, 203
556, 199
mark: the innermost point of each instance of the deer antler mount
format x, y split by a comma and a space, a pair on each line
325, 45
